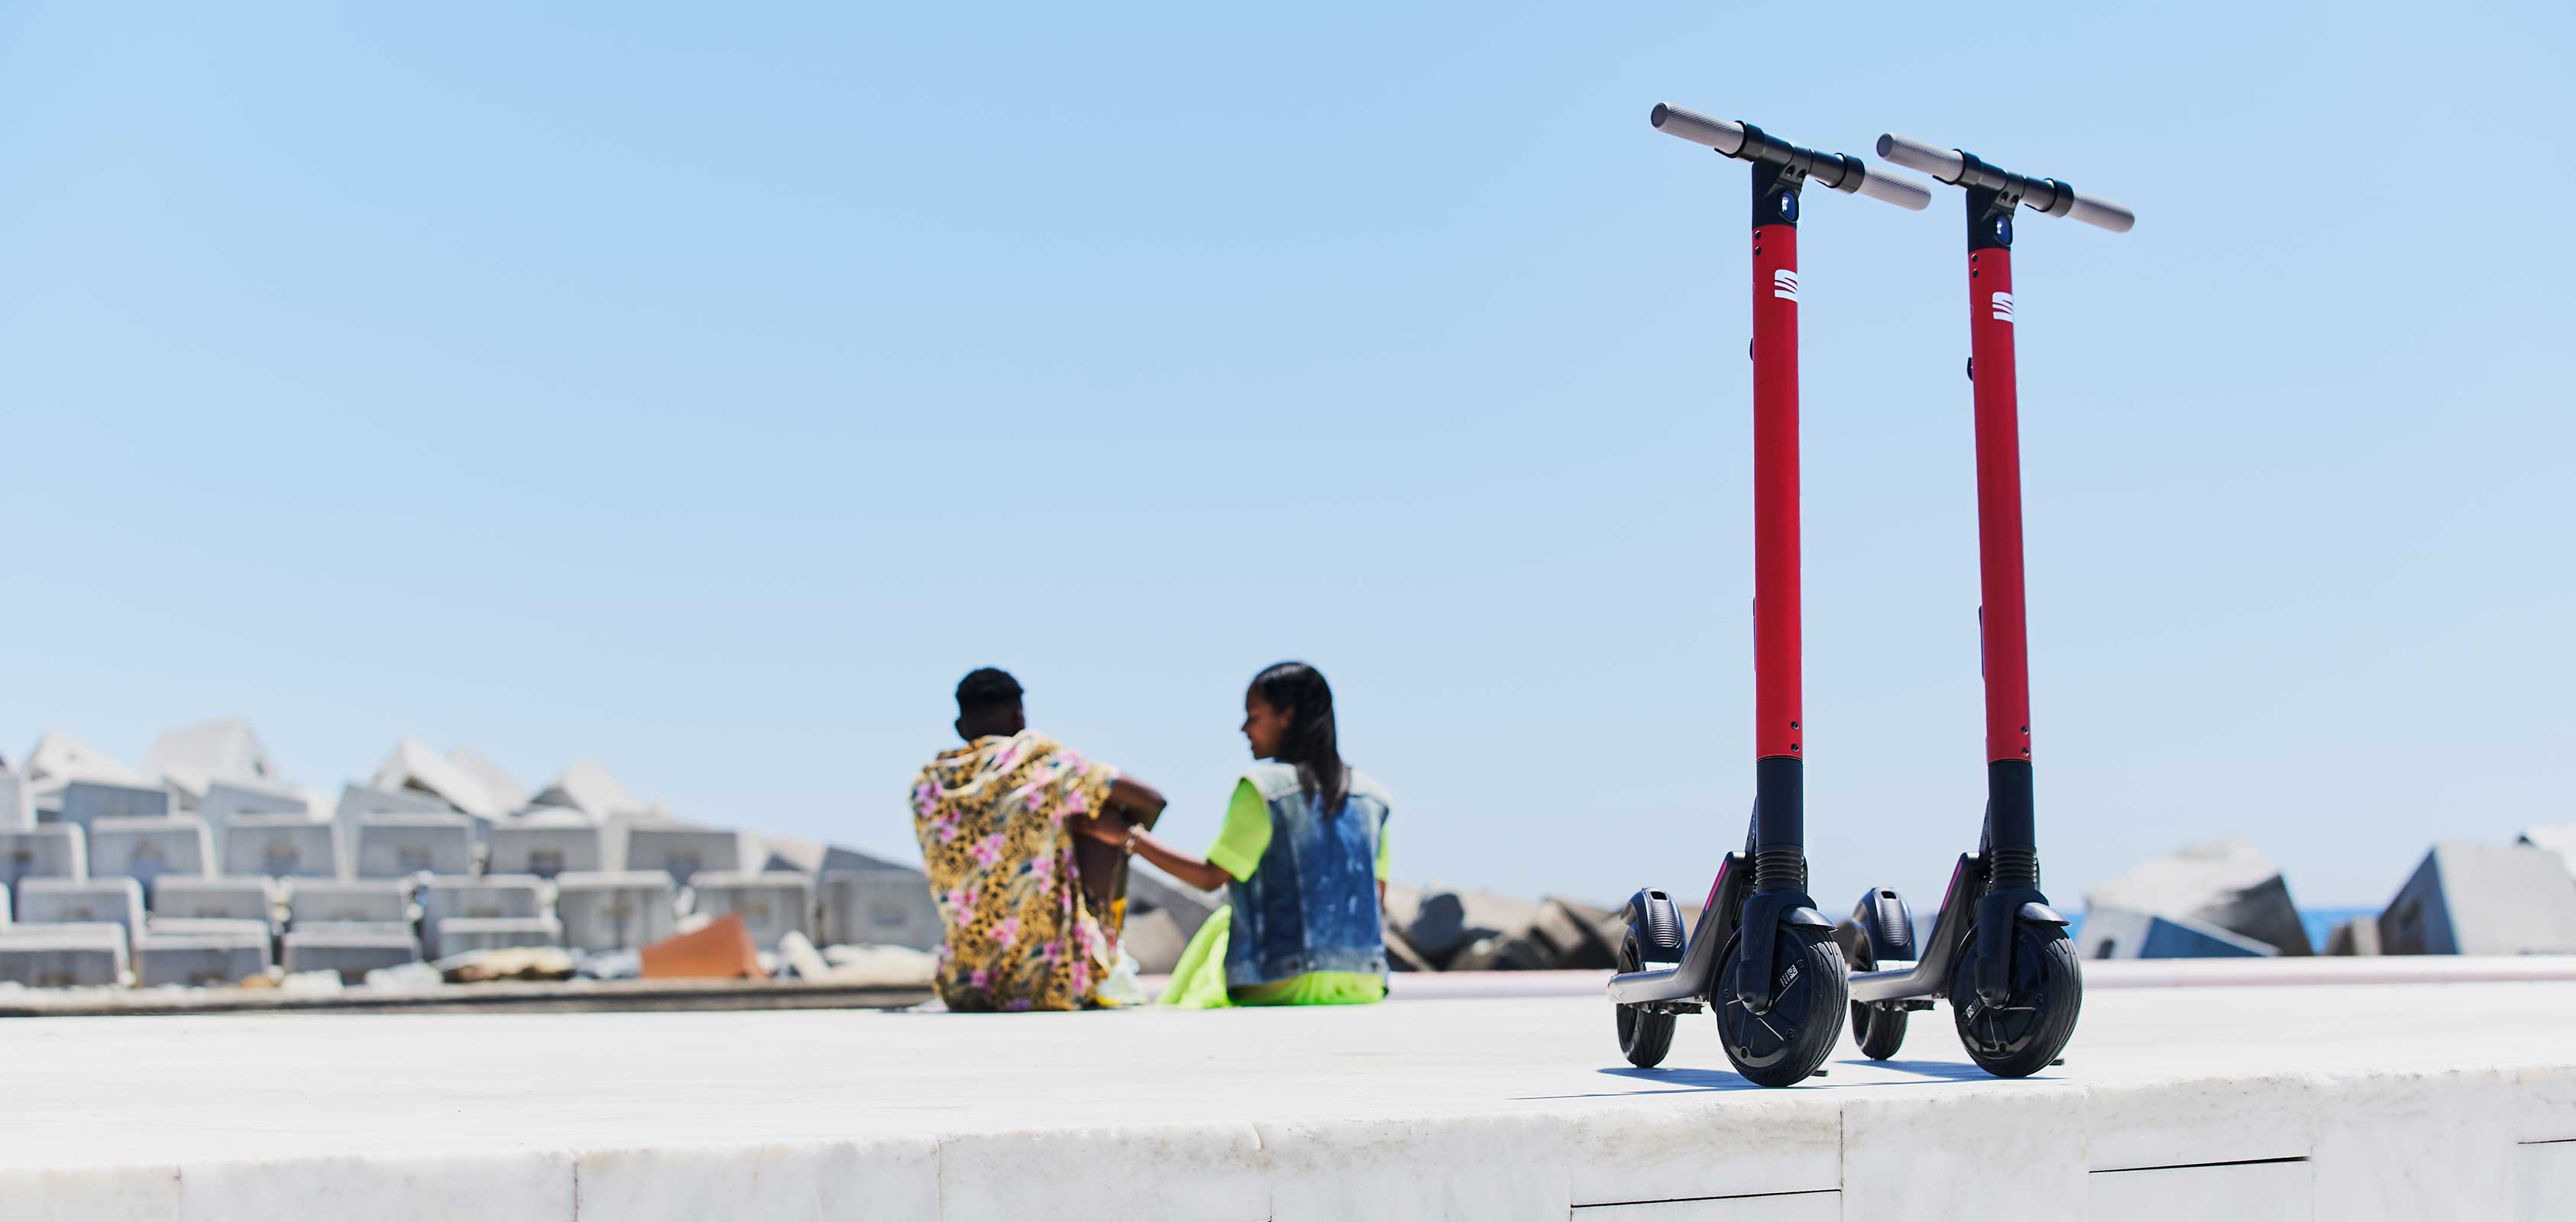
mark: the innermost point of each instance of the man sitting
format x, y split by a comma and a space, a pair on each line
1032, 908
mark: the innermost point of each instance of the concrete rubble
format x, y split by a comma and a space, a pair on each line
2480, 899
448, 856
2228, 885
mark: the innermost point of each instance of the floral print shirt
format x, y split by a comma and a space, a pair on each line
991, 819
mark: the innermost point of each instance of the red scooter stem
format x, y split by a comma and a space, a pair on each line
2004, 617
1777, 660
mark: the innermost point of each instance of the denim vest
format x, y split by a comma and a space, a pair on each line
1311, 903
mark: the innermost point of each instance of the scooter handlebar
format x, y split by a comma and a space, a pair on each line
1719, 134
2044, 195
2099, 213
1940, 163
1903, 192
1731, 138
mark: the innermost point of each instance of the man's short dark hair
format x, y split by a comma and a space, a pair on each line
986, 688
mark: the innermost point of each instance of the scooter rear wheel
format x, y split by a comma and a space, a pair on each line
1644, 1035
2020, 1037
1785, 1045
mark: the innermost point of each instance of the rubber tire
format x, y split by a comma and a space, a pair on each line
1820, 993
1879, 1032
1644, 1037
2046, 975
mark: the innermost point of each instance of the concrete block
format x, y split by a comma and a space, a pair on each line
17, 802
316, 900
2479, 899
240, 899
2225, 1190
1155, 940
1917, 1143
1776, 1144
461, 935
498, 1185
1207, 1172
201, 958
2559, 838
87, 802
396, 846
391, 929
881, 908
1148, 890
783, 853
1574, 934
226, 801
682, 852
544, 850
621, 911
2121, 933
351, 953
281, 846
778, 1181
1824, 1205
56, 850
2226, 883
1450, 921
187, 926
771, 905
1502, 1167
147, 849
2544, 1180
2358, 936
495, 897
2403, 1144
117, 901
63, 956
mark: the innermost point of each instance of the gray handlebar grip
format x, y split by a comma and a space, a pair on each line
2101, 213
1941, 163
1698, 128
1903, 192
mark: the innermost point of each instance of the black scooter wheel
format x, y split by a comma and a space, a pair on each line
2020, 1037
1786, 1044
1878, 1029
1644, 1035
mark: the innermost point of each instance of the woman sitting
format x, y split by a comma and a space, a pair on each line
1302, 856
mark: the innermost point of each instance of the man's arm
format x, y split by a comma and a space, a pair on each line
1140, 802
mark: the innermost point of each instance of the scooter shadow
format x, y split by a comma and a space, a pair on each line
1695, 1081
1674, 1082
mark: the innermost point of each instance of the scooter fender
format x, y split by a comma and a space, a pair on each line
1749, 979
1999, 916
2042, 914
1658, 923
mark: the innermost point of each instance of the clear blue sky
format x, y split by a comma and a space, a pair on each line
705, 392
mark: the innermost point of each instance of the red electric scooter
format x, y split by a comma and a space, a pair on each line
1997, 950
1761, 956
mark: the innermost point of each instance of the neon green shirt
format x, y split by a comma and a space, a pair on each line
1237, 851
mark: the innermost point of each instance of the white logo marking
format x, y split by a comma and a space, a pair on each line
2003, 307
1784, 283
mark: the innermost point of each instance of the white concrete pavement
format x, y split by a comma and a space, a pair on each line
2415, 1101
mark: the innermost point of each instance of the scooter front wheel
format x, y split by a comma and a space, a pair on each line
2021, 1036
1644, 1035
1784, 1045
